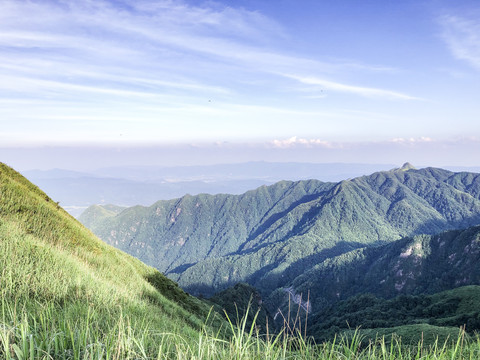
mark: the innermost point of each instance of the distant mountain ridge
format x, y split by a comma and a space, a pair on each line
144, 185
270, 236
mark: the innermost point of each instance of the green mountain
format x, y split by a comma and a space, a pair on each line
410, 266
67, 294
440, 314
270, 236
351, 289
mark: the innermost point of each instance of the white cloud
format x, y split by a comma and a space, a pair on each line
352, 89
160, 62
295, 141
104, 41
412, 140
462, 36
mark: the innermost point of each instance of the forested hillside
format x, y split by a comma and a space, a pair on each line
439, 314
270, 236
417, 265
410, 267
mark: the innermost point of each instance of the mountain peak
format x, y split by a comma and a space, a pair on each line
407, 166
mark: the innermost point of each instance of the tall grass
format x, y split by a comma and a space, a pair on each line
67, 295
53, 334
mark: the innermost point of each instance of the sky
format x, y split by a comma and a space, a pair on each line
91, 83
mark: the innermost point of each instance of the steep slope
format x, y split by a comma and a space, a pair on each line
410, 266
350, 290
270, 236
67, 289
405, 315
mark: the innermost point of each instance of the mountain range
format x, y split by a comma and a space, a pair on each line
140, 185
312, 243
269, 236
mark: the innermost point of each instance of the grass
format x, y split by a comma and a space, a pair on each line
67, 295
57, 307
53, 334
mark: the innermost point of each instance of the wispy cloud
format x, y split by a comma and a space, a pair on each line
351, 89
168, 40
185, 67
462, 36
84, 42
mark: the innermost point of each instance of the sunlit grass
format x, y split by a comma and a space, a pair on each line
67, 295
55, 334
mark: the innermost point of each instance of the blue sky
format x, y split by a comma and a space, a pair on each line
303, 80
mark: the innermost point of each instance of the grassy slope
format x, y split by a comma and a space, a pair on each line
70, 289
